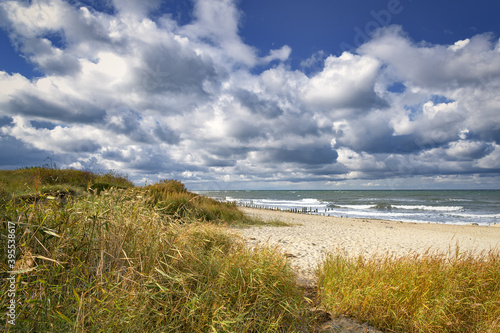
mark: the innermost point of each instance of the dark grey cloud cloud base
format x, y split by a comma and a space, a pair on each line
157, 99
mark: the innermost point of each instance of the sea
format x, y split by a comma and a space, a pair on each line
480, 207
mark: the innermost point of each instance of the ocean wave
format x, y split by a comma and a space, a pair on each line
354, 207
383, 206
305, 202
389, 207
475, 216
311, 201
399, 206
375, 214
430, 208
459, 200
302, 202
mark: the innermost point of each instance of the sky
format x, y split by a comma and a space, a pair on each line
254, 94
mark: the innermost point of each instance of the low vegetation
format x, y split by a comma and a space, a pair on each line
171, 197
96, 254
29, 182
143, 259
428, 292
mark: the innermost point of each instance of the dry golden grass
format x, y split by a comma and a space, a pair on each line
114, 263
159, 259
430, 292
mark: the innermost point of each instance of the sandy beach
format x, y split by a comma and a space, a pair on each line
312, 236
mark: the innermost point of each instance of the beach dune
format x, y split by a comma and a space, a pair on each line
311, 236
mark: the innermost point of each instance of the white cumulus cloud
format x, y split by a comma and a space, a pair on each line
156, 99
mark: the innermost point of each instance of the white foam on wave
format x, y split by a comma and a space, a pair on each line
311, 201
378, 214
231, 199
375, 214
362, 207
404, 207
431, 208
472, 216
306, 202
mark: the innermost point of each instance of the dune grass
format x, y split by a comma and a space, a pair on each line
158, 258
128, 261
170, 197
428, 292
29, 182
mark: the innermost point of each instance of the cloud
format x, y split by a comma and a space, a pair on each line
314, 60
432, 124
469, 150
279, 54
77, 111
440, 67
127, 89
257, 105
216, 25
304, 155
173, 68
135, 8
491, 161
77, 139
346, 82
16, 153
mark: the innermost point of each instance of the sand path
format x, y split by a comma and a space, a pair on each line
313, 236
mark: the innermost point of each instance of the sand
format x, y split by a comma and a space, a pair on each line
312, 236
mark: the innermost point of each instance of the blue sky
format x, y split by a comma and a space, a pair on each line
255, 94
311, 26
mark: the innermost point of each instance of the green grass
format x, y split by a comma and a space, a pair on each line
29, 182
124, 261
430, 292
271, 223
170, 197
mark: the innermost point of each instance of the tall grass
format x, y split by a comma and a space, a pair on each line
427, 292
29, 182
170, 197
115, 263
160, 259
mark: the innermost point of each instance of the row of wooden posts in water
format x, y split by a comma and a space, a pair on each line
303, 210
